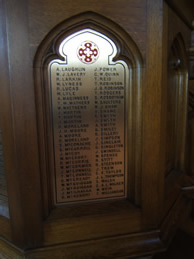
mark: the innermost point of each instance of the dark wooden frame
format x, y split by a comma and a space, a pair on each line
129, 52
175, 178
87, 229
19, 130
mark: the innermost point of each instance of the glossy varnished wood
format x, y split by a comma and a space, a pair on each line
174, 218
184, 9
190, 135
5, 228
137, 226
190, 130
84, 222
179, 39
134, 99
8, 250
129, 14
5, 118
88, 248
21, 152
176, 26
153, 160
112, 247
101, 219
4, 211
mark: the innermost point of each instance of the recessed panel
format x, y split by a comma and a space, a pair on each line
88, 106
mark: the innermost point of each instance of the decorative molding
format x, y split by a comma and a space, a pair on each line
191, 99
191, 63
191, 77
184, 9
129, 245
129, 52
177, 104
8, 250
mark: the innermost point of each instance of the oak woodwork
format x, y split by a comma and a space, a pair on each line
176, 105
174, 218
184, 9
178, 43
128, 14
91, 224
153, 160
148, 35
3, 185
83, 222
134, 110
107, 247
19, 126
8, 250
5, 113
5, 227
190, 132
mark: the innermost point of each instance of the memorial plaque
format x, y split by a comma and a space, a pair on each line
88, 97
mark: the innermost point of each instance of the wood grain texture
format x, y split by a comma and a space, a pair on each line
9, 251
124, 246
98, 220
130, 52
21, 152
121, 246
4, 211
175, 26
4, 116
111, 230
176, 105
190, 131
5, 121
184, 9
84, 222
3, 189
178, 42
5, 226
190, 135
180, 210
190, 148
153, 161
129, 14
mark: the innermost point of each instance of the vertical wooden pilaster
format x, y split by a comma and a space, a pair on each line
22, 166
154, 114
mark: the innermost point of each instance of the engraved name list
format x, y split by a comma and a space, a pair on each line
88, 94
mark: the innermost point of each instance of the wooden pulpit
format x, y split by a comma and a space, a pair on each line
93, 118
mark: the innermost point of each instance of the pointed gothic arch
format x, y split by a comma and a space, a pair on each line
176, 105
128, 53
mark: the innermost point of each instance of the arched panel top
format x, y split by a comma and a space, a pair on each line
105, 44
88, 47
127, 49
177, 55
176, 105
88, 84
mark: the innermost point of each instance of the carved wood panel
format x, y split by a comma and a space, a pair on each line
176, 106
128, 58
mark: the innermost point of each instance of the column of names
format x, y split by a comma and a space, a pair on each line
89, 132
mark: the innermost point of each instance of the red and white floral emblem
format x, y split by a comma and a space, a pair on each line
88, 52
